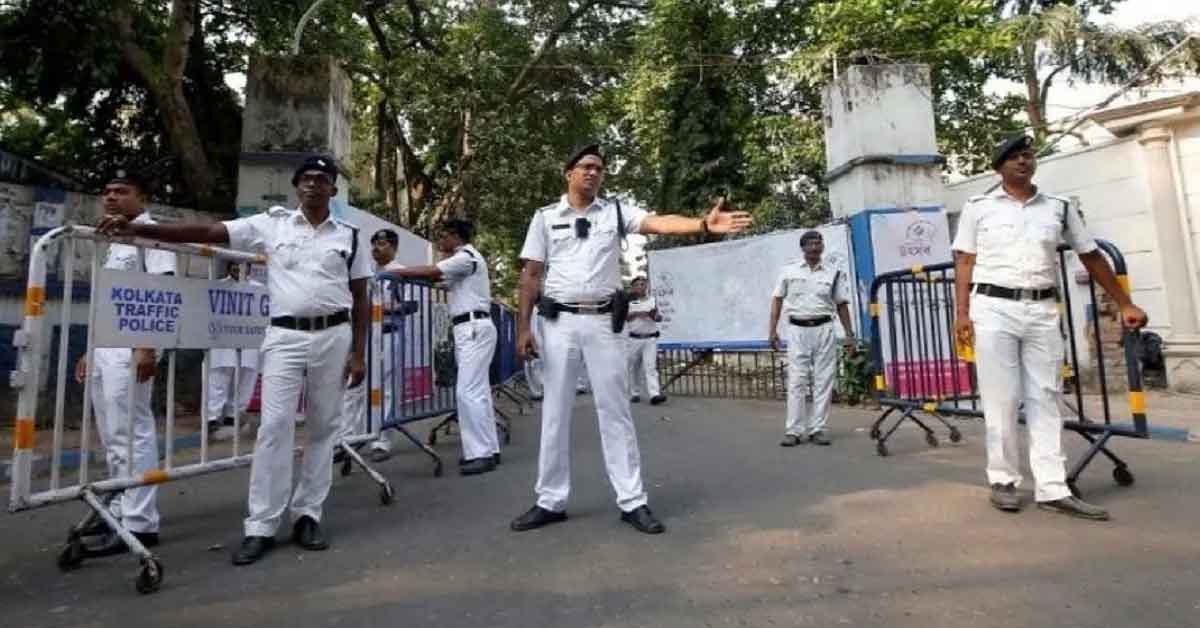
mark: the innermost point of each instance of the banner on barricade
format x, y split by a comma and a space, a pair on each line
140, 310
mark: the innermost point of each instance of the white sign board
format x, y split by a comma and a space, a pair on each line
902, 240
720, 293
140, 310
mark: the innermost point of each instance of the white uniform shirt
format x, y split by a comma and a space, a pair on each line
642, 325
466, 274
228, 357
306, 265
580, 270
125, 257
809, 292
1015, 243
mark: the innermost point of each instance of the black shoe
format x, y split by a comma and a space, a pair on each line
635, 399
535, 397
306, 533
111, 544
253, 548
1076, 508
657, 399
1004, 497
477, 466
643, 520
819, 438
535, 518
790, 440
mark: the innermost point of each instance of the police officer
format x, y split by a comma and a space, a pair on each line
1005, 288
383, 254
809, 291
125, 198
466, 272
575, 242
642, 327
317, 283
223, 372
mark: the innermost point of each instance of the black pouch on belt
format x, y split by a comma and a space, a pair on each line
620, 310
545, 307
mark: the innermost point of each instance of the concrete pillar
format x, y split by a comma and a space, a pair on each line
295, 106
1182, 346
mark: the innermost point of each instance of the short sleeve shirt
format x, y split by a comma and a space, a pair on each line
1015, 244
308, 267
466, 273
125, 257
809, 292
580, 270
641, 324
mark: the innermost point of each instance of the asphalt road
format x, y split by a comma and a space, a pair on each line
757, 535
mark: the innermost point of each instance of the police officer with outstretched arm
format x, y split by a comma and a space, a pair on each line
317, 283
576, 243
1005, 270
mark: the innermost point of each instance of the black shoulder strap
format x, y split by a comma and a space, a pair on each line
1066, 211
474, 264
620, 222
833, 289
353, 248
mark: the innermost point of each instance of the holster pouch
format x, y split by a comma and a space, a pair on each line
545, 307
620, 310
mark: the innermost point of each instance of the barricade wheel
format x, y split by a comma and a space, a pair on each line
432, 440
150, 576
385, 494
930, 439
881, 449
875, 432
1122, 476
508, 436
955, 435
71, 556
347, 466
437, 469
1074, 489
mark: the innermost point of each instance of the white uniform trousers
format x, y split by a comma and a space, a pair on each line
643, 365
812, 361
355, 407
534, 367
137, 508
220, 391
287, 356
572, 341
1018, 357
474, 346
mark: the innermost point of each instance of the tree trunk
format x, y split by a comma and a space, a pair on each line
1035, 109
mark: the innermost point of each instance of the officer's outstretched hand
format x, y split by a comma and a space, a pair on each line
114, 225
774, 341
527, 349
964, 331
356, 370
1133, 317
719, 221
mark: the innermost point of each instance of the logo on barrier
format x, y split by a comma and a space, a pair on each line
918, 239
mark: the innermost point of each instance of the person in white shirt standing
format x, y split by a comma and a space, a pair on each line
810, 292
642, 328
466, 274
1005, 281
317, 285
223, 372
576, 244
125, 197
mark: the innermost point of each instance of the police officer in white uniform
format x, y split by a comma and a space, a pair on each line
317, 283
641, 326
222, 375
355, 418
575, 243
809, 292
1005, 289
466, 274
136, 508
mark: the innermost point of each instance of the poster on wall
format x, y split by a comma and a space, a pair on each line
48, 211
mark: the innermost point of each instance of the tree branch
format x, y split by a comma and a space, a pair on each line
175, 51
514, 89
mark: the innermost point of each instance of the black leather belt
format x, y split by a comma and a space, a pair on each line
810, 322
584, 308
1015, 294
389, 328
315, 323
641, 336
462, 318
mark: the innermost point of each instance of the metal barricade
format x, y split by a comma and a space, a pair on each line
29, 491
919, 370
751, 371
